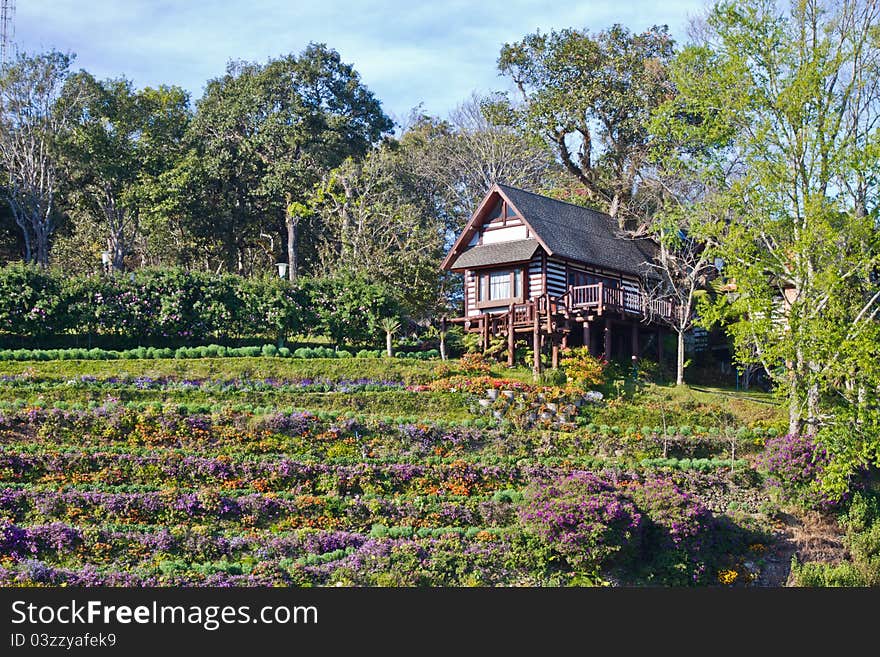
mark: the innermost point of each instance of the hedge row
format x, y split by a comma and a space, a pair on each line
210, 351
174, 305
682, 431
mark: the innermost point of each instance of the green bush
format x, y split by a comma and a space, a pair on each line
171, 304
815, 574
553, 377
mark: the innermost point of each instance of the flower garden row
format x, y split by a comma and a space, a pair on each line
122, 497
325, 435
170, 384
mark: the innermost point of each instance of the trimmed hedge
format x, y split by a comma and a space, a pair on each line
209, 351
169, 306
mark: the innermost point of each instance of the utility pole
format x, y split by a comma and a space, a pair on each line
7, 30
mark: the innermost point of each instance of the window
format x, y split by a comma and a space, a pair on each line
501, 286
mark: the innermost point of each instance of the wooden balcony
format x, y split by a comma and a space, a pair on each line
602, 299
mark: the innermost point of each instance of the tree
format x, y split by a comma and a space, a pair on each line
780, 110
454, 162
391, 326
591, 98
269, 132
33, 115
222, 133
122, 142
681, 273
368, 223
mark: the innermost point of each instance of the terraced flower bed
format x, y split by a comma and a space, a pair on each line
119, 496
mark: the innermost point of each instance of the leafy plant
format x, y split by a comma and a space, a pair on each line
582, 368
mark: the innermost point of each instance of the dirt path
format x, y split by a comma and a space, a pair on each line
810, 536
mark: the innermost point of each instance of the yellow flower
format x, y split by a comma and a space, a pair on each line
727, 576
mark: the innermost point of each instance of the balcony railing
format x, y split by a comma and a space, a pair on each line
602, 298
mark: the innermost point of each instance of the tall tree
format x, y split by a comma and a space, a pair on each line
680, 274
122, 142
33, 115
269, 132
780, 108
591, 98
371, 224
455, 161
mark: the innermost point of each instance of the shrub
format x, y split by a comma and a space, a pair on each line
583, 518
816, 574
474, 364
553, 377
582, 368
676, 531
269, 350
794, 465
350, 309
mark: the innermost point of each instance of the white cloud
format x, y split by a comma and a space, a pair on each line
406, 52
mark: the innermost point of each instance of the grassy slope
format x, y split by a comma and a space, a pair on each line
652, 405
408, 371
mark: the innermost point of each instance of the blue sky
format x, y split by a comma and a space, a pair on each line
436, 53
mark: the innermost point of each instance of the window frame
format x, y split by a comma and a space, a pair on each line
517, 277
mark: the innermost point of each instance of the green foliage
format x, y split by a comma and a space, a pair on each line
797, 239
161, 304
32, 301
351, 308
582, 368
553, 377
818, 574
601, 88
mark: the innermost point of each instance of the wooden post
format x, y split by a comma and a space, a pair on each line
607, 353
635, 341
485, 331
443, 330
587, 342
555, 354
511, 338
659, 345
536, 346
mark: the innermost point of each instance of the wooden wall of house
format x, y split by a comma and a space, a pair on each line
500, 226
470, 293
536, 275
557, 279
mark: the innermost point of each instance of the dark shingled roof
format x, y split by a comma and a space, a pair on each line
494, 254
579, 233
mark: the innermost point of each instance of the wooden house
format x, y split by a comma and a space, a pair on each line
556, 274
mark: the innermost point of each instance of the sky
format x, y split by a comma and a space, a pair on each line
407, 52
